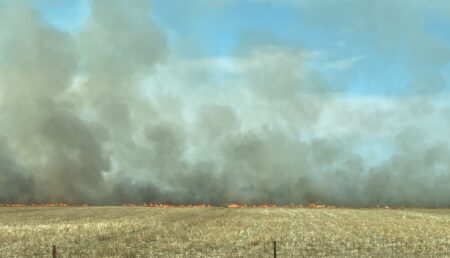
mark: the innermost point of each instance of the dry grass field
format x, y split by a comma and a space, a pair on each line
222, 232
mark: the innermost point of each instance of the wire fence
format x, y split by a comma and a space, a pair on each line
263, 249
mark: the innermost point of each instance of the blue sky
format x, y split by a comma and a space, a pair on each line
385, 48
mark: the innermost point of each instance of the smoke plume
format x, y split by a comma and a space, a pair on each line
107, 116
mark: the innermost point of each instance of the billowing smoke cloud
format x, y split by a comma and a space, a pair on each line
107, 116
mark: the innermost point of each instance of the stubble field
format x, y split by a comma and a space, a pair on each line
222, 232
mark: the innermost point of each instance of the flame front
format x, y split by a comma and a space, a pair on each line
41, 205
166, 205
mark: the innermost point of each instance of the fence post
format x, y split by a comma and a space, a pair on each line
274, 249
54, 251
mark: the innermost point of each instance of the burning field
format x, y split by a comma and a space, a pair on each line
113, 113
111, 102
198, 231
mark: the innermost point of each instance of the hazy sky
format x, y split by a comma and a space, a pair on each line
362, 46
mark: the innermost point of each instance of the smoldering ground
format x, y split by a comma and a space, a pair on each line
109, 115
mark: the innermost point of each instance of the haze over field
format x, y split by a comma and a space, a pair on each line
343, 102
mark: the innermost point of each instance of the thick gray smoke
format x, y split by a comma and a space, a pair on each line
109, 116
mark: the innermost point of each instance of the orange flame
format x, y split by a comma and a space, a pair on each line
41, 205
236, 206
165, 205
